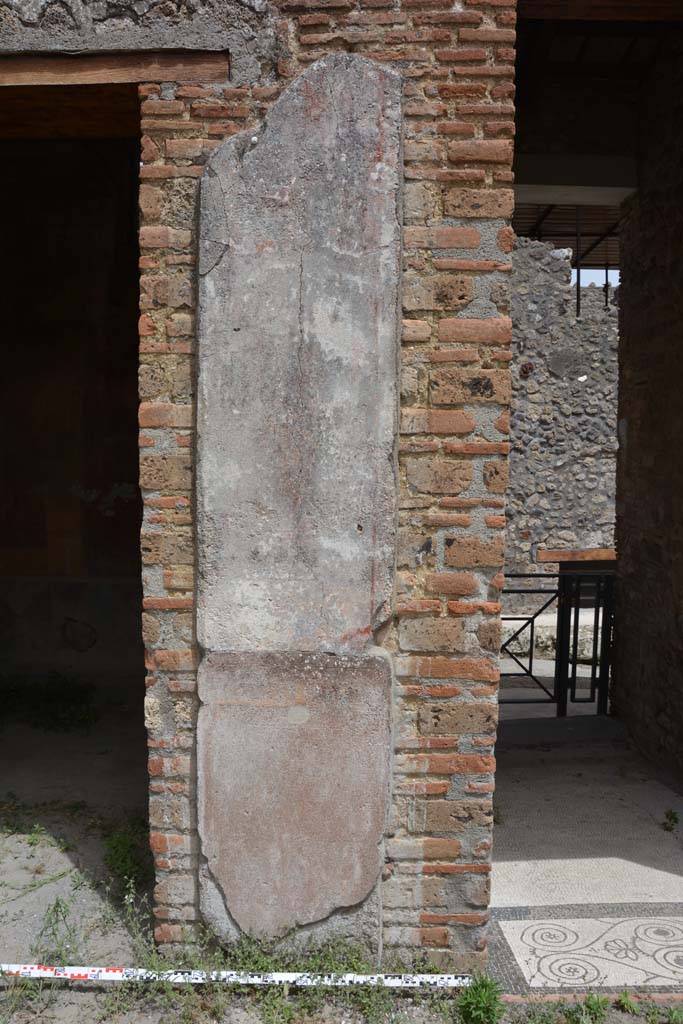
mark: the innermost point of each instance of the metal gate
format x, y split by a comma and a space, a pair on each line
580, 675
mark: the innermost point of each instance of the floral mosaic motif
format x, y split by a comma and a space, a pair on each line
601, 952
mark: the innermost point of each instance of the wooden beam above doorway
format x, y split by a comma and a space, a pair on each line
602, 10
574, 555
114, 68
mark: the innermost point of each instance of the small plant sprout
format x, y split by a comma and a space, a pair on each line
480, 1002
673, 1015
671, 819
626, 1003
36, 835
652, 1015
596, 1007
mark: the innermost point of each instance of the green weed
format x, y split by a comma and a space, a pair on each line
537, 1014
480, 1002
671, 819
36, 835
626, 1003
652, 1014
593, 1010
127, 853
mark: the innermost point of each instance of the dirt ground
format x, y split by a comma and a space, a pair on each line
72, 831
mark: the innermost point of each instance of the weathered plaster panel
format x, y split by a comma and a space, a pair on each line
299, 265
243, 27
293, 761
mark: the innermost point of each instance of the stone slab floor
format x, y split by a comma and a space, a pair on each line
587, 884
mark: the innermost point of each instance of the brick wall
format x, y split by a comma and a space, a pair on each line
458, 69
648, 692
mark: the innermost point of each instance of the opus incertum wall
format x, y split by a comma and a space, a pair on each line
297, 414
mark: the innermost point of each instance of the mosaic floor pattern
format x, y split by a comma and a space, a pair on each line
604, 952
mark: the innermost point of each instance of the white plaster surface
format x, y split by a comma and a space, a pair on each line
603, 952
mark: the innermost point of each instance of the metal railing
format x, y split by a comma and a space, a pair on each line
571, 592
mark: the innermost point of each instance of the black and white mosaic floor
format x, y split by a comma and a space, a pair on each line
587, 874
611, 947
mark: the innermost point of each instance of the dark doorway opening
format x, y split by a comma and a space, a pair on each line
72, 666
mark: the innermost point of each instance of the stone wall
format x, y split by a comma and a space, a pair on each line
442, 633
563, 427
648, 691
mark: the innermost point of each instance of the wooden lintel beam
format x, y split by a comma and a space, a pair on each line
115, 68
573, 555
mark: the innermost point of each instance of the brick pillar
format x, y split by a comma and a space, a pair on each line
458, 70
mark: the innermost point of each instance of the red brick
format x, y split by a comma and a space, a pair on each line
492, 331
487, 35
146, 326
448, 18
436, 421
480, 151
160, 171
164, 238
167, 603
434, 937
164, 414
462, 90
453, 764
456, 519
171, 661
463, 584
461, 54
495, 522
416, 330
165, 842
442, 238
157, 107
500, 129
470, 607
463, 129
477, 447
470, 552
502, 424
456, 869
474, 266
478, 669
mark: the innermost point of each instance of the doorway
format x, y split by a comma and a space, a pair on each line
587, 881
73, 742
